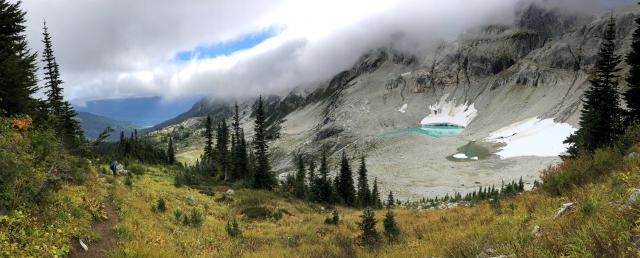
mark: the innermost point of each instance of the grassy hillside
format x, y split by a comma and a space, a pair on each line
601, 223
158, 219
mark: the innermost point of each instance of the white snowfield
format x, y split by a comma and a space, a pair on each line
532, 137
403, 109
446, 112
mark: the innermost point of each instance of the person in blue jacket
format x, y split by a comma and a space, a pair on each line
114, 167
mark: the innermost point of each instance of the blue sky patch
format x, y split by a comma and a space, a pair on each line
226, 48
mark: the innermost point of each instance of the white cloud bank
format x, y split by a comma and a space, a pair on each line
123, 48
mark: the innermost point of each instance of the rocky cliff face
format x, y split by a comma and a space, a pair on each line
538, 67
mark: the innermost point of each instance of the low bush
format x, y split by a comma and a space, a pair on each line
161, 205
334, 219
256, 212
136, 169
233, 229
563, 178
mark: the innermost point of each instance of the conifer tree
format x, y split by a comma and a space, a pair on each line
300, 186
208, 134
222, 149
17, 63
312, 172
72, 133
344, 184
375, 195
244, 161
369, 235
364, 194
53, 83
391, 230
263, 177
239, 149
322, 188
632, 96
171, 155
390, 200
601, 121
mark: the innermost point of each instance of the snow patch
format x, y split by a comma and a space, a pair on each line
405, 74
403, 109
460, 156
446, 112
474, 158
532, 137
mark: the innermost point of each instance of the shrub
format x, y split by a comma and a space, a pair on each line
233, 229
224, 198
277, 215
256, 212
587, 207
391, 229
128, 181
196, 219
136, 169
161, 205
24, 157
334, 219
584, 169
178, 215
369, 235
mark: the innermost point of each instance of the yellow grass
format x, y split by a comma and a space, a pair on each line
484, 229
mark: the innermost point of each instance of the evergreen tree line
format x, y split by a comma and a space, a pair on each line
139, 148
318, 186
482, 194
229, 157
603, 119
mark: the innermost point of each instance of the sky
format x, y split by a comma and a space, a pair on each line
112, 49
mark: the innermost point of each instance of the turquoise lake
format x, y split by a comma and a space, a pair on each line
438, 131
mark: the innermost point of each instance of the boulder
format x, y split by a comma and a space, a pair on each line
632, 156
536, 231
633, 197
565, 207
190, 198
230, 191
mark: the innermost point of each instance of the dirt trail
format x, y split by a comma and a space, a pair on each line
107, 239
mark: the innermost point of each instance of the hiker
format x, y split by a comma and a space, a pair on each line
114, 167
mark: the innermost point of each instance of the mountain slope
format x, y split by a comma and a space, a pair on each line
511, 85
93, 125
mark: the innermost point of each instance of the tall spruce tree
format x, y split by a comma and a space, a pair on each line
171, 153
601, 120
53, 83
208, 135
344, 184
263, 177
312, 172
300, 179
364, 194
244, 162
369, 235
632, 96
391, 229
17, 63
375, 195
322, 190
390, 200
72, 133
239, 149
222, 149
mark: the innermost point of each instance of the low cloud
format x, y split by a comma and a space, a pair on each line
120, 48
